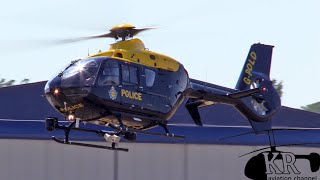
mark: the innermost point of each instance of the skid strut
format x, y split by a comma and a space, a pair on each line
112, 137
168, 134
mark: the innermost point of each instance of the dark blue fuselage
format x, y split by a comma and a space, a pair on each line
100, 87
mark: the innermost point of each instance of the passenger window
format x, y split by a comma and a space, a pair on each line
110, 74
125, 74
133, 75
150, 77
129, 75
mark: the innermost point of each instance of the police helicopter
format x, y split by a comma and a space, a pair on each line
132, 89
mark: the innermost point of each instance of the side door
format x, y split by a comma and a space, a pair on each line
129, 92
154, 90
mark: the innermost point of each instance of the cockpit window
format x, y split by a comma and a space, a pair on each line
110, 74
80, 73
150, 77
87, 64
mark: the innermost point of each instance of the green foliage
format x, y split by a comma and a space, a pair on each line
6, 83
314, 107
278, 86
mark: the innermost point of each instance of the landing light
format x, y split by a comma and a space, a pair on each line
71, 117
56, 91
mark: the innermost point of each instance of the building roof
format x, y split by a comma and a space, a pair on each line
23, 109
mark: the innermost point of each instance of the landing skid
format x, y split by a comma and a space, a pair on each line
89, 145
112, 137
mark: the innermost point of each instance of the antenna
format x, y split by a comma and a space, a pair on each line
205, 84
88, 52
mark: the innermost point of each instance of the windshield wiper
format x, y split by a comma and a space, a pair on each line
72, 63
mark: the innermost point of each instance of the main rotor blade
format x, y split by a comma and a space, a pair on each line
112, 34
136, 31
34, 44
72, 40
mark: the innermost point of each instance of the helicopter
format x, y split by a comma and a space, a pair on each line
131, 89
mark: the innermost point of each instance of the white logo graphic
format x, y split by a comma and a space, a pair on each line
113, 93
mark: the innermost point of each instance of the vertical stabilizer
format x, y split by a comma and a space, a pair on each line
257, 66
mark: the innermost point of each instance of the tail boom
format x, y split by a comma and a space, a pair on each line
254, 95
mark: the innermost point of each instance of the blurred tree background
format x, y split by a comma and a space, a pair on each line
6, 83
314, 107
278, 86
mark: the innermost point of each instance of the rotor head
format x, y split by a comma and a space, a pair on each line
125, 31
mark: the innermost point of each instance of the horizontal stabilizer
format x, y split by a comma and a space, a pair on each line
245, 93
